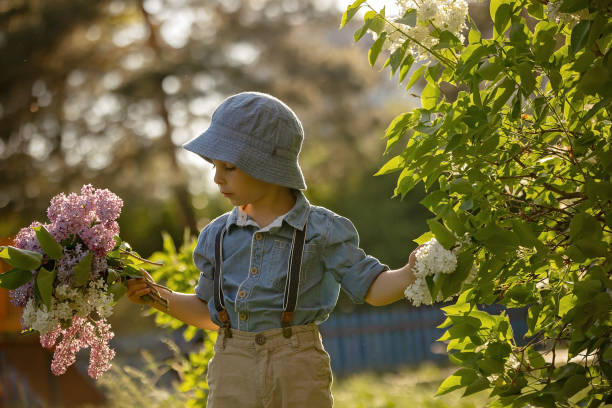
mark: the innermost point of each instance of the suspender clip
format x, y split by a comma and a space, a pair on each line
226, 323
286, 319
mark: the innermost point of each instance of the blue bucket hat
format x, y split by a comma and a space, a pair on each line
257, 133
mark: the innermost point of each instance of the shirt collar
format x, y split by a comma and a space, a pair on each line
296, 217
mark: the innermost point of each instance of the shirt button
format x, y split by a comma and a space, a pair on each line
254, 271
258, 236
242, 315
242, 293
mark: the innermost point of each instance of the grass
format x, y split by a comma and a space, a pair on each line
410, 387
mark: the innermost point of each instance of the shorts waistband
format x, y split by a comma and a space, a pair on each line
272, 338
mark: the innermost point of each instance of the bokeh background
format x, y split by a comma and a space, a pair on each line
106, 92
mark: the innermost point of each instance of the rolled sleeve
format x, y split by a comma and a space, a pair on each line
203, 258
352, 268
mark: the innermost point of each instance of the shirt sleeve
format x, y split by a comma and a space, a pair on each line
347, 262
204, 259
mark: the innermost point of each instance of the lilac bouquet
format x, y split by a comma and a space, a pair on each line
68, 274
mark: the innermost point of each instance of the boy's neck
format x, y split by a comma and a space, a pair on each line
278, 202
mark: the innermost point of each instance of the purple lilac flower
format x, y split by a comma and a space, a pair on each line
26, 238
20, 296
108, 206
91, 216
81, 334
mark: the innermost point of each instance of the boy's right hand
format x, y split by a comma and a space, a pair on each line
137, 287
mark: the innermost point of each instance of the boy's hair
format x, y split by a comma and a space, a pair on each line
259, 134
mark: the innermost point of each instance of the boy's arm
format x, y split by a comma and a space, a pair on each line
389, 286
185, 307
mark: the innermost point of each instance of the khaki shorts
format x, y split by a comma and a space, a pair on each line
267, 370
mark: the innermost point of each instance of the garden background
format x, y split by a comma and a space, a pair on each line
106, 93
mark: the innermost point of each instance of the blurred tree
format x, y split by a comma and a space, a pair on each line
106, 92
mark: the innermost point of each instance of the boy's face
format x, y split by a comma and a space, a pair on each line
237, 186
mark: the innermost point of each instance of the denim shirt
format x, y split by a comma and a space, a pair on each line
256, 260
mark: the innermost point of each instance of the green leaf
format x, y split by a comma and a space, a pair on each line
536, 10
596, 108
571, 6
544, 40
350, 12
376, 48
461, 378
452, 220
526, 236
504, 91
415, 76
430, 96
15, 278
490, 365
409, 18
446, 39
500, 11
443, 235
489, 70
82, 270
44, 284
48, 244
460, 185
406, 181
580, 34
535, 358
497, 239
396, 57
526, 74
455, 141
453, 281
480, 384
368, 19
406, 64
118, 289
584, 226
574, 384
423, 238
395, 164
21, 258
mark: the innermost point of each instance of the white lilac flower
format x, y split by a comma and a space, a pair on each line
433, 259
447, 15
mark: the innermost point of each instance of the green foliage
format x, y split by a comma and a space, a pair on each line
520, 165
148, 386
180, 273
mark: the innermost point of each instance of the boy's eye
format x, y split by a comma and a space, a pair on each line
227, 167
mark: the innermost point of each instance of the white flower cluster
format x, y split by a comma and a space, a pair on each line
66, 303
431, 259
553, 14
447, 15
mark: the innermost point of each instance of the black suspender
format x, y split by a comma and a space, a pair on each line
291, 285
217, 279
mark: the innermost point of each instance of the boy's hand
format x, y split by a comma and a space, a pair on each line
412, 258
137, 287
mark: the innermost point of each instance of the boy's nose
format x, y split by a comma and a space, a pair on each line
218, 179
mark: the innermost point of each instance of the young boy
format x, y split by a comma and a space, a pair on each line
271, 269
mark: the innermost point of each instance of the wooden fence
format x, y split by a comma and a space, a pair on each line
385, 339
